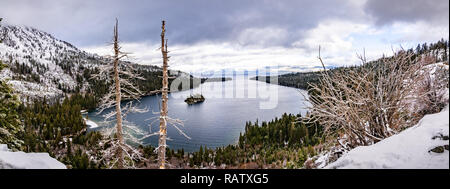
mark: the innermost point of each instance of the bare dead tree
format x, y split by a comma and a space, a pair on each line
118, 96
164, 108
119, 75
164, 119
364, 104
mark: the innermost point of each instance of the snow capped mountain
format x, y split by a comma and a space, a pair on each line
39, 65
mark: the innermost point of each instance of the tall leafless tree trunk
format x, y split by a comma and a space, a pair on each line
120, 77
164, 109
118, 97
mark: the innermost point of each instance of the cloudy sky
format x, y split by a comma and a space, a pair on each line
209, 35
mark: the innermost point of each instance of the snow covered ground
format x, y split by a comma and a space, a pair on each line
22, 160
410, 148
90, 123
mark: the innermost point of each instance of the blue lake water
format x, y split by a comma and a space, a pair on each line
220, 119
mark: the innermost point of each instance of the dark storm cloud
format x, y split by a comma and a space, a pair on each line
87, 23
389, 11
90, 22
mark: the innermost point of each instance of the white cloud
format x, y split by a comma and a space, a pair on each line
209, 56
332, 35
341, 41
418, 31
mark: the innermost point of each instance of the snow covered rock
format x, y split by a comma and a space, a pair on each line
410, 149
22, 160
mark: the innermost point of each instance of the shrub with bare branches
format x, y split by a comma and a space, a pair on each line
365, 104
432, 87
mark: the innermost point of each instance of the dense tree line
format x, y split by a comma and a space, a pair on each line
298, 80
52, 120
215, 79
285, 131
59, 129
85, 101
442, 45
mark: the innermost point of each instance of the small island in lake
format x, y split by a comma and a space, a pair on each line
194, 99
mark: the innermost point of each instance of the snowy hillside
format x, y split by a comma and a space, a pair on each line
36, 53
423, 146
40, 65
22, 160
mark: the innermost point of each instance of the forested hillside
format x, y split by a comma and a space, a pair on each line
39, 65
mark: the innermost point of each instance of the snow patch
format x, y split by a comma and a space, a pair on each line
22, 160
409, 149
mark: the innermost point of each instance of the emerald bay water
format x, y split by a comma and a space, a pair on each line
220, 119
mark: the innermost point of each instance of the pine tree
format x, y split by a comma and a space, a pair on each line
445, 56
11, 128
201, 153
